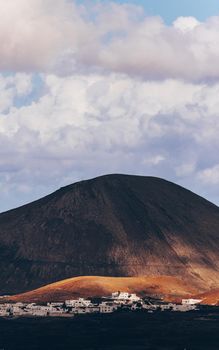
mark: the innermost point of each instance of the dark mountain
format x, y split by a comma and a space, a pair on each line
114, 225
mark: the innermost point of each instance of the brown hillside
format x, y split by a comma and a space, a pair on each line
92, 286
210, 297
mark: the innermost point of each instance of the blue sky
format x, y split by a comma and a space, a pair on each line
171, 9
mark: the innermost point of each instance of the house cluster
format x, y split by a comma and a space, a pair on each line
117, 301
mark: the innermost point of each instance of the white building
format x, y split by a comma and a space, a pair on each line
149, 307
41, 312
164, 307
184, 307
56, 311
92, 309
55, 304
16, 310
78, 310
191, 301
125, 296
81, 302
4, 310
105, 308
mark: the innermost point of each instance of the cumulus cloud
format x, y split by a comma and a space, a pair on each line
63, 37
34, 32
13, 86
102, 89
186, 24
86, 125
210, 176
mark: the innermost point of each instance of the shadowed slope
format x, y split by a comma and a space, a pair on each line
115, 225
93, 286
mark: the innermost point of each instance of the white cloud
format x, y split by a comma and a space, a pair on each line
155, 160
85, 125
34, 32
186, 24
119, 92
22, 84
60, 36
210, 176
120, 108
186, 169
14, 86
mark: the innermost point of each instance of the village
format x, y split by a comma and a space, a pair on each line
118, 301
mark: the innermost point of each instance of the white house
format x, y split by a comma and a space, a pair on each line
125, 296
55, 304
92, 309
106, 308
191, 301
81, 302
16, 310
4, 311
41, 312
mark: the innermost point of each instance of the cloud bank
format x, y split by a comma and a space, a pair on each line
83, 126
63, 38
103, 88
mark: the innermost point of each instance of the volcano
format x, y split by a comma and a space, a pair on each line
113, 225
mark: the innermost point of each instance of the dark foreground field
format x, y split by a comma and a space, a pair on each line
122, 331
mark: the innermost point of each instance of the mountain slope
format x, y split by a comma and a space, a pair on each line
94, 286
210, 297
115, 225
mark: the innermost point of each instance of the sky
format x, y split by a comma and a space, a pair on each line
96, 87
169, 10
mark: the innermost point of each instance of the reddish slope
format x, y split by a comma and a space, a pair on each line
209, 298
90, 286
